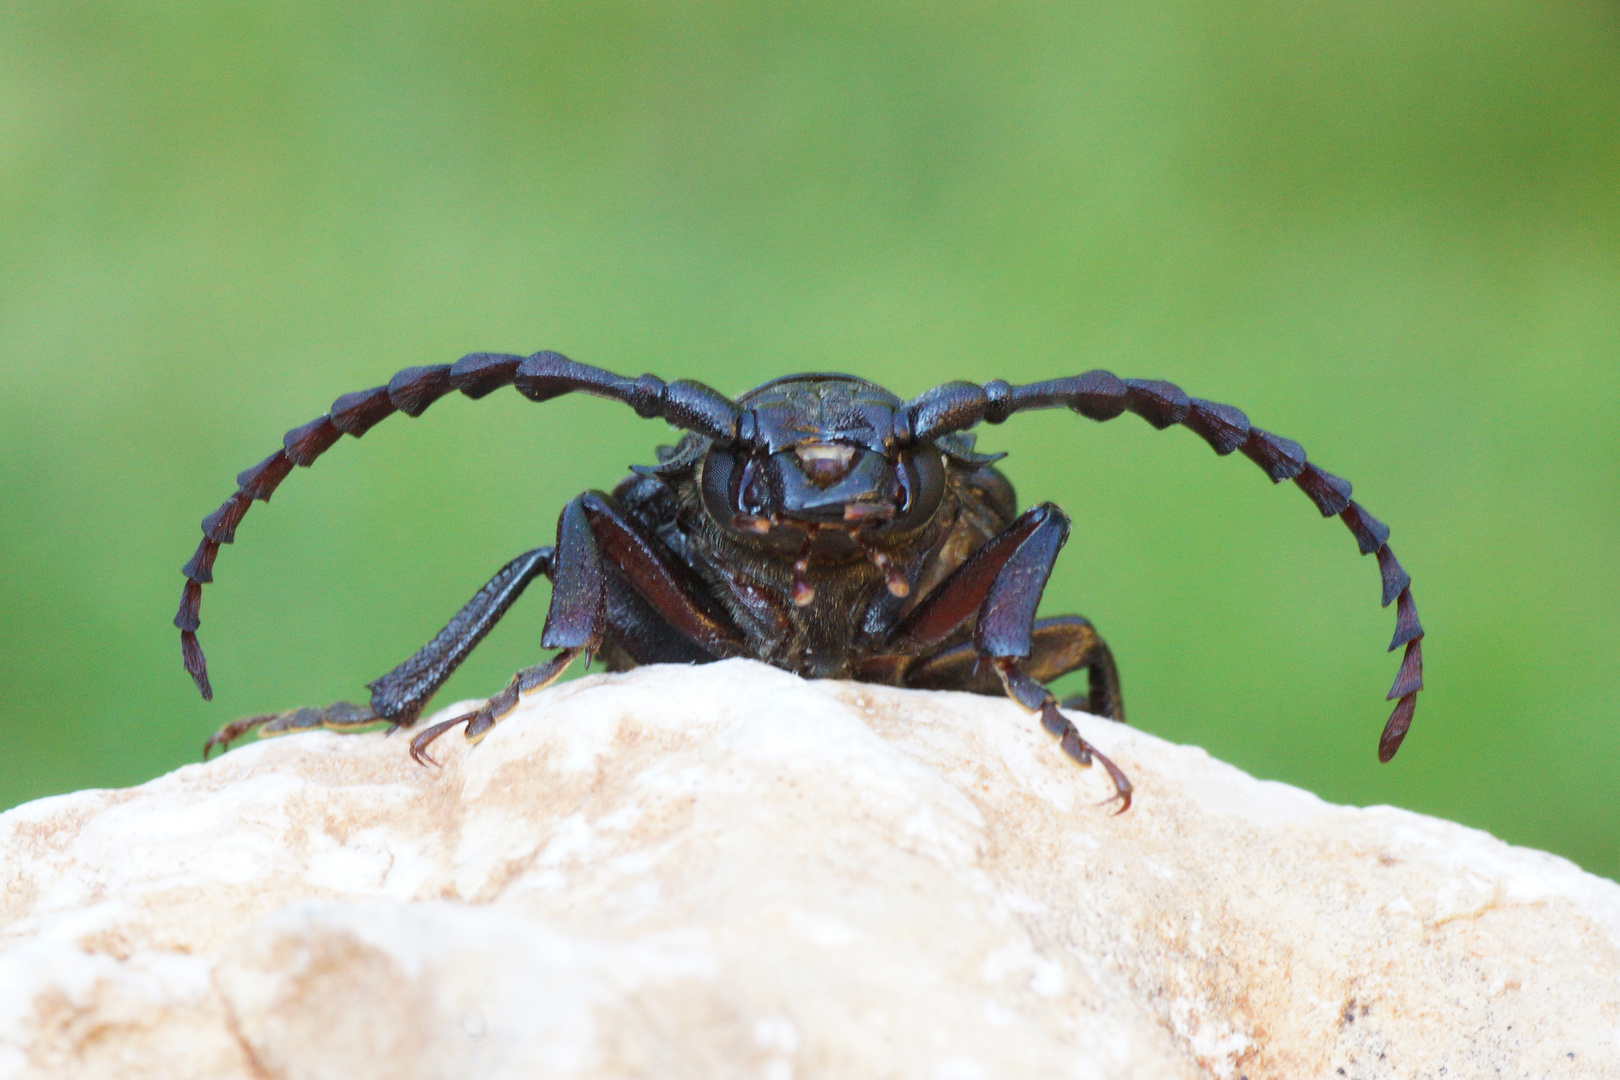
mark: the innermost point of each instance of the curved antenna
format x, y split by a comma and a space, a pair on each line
1100, 395
541, 377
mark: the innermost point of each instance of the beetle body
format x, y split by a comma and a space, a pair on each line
819, 523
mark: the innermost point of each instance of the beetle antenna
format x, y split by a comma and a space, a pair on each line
1100, 395
541, 377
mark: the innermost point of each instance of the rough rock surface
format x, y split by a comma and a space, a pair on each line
727, 872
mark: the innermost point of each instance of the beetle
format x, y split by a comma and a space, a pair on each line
818, 523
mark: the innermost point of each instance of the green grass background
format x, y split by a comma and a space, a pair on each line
1387, 230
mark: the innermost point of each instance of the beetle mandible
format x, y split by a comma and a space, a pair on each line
818, 523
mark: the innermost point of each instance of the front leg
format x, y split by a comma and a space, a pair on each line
999, 588
399, 697
602, 549
1057, 647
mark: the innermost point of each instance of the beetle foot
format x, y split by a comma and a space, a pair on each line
1083, 752
481, 721
339, 716
419, 744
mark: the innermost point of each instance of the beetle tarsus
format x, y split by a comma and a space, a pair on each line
426, 736
481, 720
341, 716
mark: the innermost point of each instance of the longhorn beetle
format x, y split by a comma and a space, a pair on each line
818, 523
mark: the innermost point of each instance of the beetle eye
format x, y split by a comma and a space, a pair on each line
921, 480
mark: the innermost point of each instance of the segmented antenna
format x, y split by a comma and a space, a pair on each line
1100, 395
540, 377
410, 391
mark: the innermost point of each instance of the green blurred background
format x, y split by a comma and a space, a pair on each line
1387, 230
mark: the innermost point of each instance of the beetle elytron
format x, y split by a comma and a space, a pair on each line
818, 523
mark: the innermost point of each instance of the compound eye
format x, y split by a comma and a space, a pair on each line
719, 486
921, 474
736, 490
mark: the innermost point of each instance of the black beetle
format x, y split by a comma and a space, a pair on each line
818, 523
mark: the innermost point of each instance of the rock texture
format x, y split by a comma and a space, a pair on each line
727, 872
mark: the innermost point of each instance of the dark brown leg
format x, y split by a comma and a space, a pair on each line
592, 528
399, 697
1057, 646
340, 716
403, 693
481, 720
999, 588
1037, 698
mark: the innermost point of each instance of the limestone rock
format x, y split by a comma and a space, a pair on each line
725, 871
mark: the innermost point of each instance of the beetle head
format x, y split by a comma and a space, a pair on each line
817, 453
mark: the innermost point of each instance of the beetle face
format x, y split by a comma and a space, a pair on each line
816, 464
828, 485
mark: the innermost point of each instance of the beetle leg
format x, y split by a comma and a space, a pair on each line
608, 571
1037, 698
340, 716
998, 588
401, 694
399, 697
481, 720
594, 527
1057, 646
1023, 548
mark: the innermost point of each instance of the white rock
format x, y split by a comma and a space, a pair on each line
728, 872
